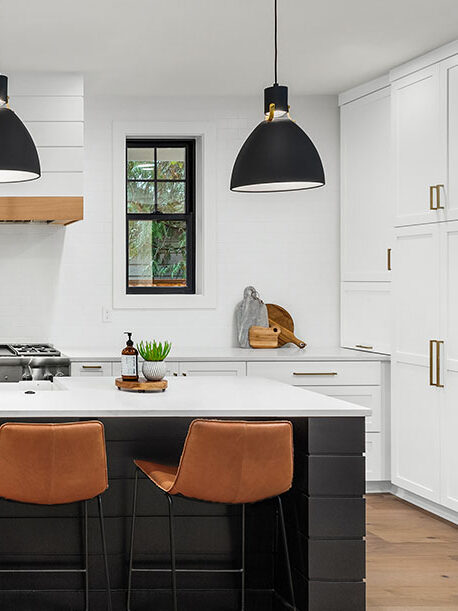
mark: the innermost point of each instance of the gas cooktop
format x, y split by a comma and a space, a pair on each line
35, 349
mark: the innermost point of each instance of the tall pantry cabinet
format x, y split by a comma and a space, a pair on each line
366, 218
425, 282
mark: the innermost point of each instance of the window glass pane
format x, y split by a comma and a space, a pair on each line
140, 163
157, 253
171, 197
171, 163
140, 197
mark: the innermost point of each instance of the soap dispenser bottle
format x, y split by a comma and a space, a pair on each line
129, 360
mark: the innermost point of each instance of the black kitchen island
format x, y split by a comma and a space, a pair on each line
325, 509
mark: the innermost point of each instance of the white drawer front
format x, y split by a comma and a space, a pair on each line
319, 373
218, 368
91, 369
365, 396
374, 457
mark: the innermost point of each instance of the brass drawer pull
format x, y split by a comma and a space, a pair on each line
388, 259
365, 347
91, 367
318, 373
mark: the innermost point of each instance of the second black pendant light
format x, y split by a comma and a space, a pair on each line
278, 155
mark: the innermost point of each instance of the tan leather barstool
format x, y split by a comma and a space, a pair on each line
52, 464
224, 462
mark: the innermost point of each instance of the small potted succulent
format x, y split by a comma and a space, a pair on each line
153, 354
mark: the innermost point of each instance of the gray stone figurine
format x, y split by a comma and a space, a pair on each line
251, 311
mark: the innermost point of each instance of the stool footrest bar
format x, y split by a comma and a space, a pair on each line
43, 570
187, 570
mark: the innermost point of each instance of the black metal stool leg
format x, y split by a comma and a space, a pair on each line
132, 536
104, 549
172, 552
285, 546
86, 559
243, 557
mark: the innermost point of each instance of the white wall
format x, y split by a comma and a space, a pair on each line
56, 280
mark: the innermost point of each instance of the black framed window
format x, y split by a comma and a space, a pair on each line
160, 216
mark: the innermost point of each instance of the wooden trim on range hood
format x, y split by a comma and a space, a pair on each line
58, 210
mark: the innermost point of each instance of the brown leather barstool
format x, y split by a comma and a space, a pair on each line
53, 464
224, 462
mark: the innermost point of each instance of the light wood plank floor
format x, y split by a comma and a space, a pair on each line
412, 558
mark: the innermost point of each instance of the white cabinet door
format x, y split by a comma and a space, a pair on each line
415, 403
449, 368
212, 369
375, 464
367, 193
449, 86
420, 145
366, 316
91, 369
365, 396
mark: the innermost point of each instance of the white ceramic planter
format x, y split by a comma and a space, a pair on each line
154, 370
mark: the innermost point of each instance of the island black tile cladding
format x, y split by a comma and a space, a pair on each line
325, 514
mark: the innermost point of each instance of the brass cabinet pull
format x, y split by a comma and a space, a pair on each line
438, 363
438, 343
431, 198
365, 347
438, 197
431, 349
388, 259
317, 373
437, 189
91, 367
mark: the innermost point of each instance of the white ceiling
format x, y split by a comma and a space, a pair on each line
220, 46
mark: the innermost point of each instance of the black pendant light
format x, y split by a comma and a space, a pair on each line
278, 155
18, 155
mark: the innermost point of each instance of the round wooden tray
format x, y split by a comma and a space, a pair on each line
141, 385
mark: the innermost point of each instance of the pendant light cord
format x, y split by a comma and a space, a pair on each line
276, 43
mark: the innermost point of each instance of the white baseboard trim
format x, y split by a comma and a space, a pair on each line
378, 487
435, 508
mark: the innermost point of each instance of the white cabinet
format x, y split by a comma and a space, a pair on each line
203, 368
448, 369
318, 373
367, 216
102, 368
425, 362
365, 396
449, 87
355, 382
415, 402
366, 316
366, 187
419, 140
375, 462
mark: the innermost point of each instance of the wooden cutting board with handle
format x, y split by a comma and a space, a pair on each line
279, 317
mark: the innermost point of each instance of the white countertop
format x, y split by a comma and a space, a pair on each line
290, 352
214, 397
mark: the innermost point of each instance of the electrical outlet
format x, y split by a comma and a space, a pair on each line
106, 314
